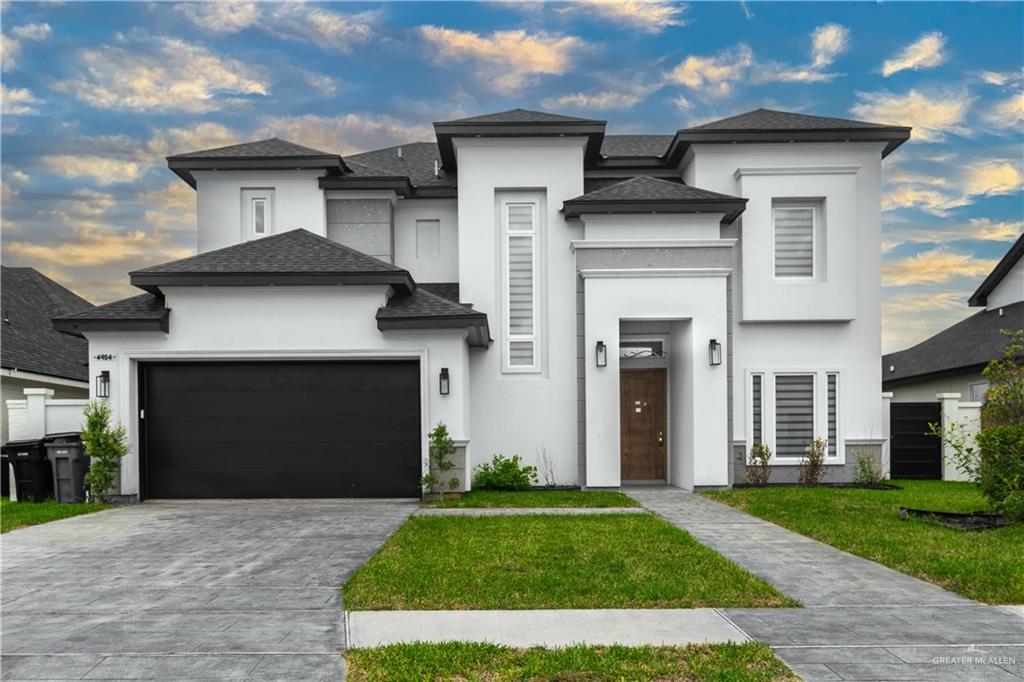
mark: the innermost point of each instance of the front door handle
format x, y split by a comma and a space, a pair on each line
661, 439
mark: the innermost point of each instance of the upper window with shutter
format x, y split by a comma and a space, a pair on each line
794, 241
521, 279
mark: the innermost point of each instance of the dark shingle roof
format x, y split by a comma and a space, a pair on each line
30, 343
139, 313
768, 119
294, 257
449, 290
263, 149
416, 163
423, 309
635, 145
645, 188
980, 295
966, 346
521, 116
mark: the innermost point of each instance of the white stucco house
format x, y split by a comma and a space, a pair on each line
639, 307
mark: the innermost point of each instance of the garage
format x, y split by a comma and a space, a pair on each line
266, 429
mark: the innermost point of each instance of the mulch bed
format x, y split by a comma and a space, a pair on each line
956, 520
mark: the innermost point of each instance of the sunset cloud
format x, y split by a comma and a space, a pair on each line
1009, 113
649, 16
344, 134
714, 74
104, 170
932, 115
18, 101
924, 53
993, 177
934, 267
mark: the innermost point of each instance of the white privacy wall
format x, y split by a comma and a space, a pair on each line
275, 323
298, 203
424, 267
520, 413
698, 420
789, 326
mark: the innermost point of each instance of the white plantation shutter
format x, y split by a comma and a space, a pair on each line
521, 294
794, 241
794, 414
833, 412
758, 409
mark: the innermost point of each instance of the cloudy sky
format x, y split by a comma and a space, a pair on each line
95, 95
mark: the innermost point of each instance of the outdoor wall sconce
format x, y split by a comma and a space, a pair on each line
103, 384
444, 383
714, 352
601, 351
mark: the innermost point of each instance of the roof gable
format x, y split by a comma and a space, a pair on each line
769, 119
644, 194
519, 116
273, 147
271, 154
1002, 268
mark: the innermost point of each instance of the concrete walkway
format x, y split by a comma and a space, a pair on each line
188, 590
862, 621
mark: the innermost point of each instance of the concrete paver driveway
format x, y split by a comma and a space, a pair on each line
244, 589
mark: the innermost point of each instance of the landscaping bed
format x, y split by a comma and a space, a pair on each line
462, 661
986, 566
481, 499
20, 514
559, 562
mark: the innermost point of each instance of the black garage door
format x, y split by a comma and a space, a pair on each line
280, 429
915, 452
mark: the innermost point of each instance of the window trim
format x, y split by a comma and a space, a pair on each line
508, 337
249, 196
813, 207
768, 423
973, 385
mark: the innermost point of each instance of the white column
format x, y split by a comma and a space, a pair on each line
950, 415
35, 413
886, 431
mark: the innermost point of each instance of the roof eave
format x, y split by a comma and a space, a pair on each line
400, 185
731, 208
181, 165
447, 131
893, 137
153, 282
1005, 264
78, 326
471, 322
934, 374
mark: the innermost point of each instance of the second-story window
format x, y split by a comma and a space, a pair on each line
521, 284
793, 227
257, 213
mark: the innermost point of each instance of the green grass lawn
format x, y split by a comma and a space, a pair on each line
539, 498
20, 514
463, 661
560, 562
984, 565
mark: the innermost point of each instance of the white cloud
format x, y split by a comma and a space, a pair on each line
932, 115
18, 101
1000, 78
928, 200
940, 195
827, 43
18, 176
924, 53
171, 208
320, 82
996, 231
162, 74
1008, 113
104, 170
345, 134
10, 45
171, 141
508, 60
993, 177
714, 74
981, 229
650, 16
220, 17
622, 96
682, 103
934, 267
32, 31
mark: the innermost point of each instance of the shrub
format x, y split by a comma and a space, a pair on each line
962, 451
441, 448
1004, 399
105, 446
812, 466
1001, 471
504, 473
869, 472
758, 469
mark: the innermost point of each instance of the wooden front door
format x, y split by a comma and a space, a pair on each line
643, 423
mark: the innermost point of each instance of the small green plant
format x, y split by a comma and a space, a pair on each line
106, 446
504, 473
869, 472
1001, 472
963, 451
812, 466
441, 448
758, 469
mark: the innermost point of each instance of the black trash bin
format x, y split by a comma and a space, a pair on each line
5, 476
69, 464
33, 479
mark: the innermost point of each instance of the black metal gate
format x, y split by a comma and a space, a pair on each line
914, 451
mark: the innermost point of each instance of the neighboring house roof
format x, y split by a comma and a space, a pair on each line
980, 295
423, 309
766, 125
645, 194
967, 346
30, 343
144, 312
270, 154
294, 257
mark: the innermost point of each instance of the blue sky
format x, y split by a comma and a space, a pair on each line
95, 95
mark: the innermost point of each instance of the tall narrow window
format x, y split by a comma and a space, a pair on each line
521, 278
257, 213
259, 216
794, 414
833, 411
794, 241
757, 410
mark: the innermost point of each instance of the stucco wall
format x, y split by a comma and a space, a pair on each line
362, 224
444, 268
282, 322
1010, 289
12, 388
652, 227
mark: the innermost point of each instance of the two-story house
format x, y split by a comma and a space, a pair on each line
637, 307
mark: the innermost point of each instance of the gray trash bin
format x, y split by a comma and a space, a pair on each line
69, 463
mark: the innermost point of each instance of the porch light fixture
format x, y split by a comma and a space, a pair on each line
601, 351
103, 384
443, 382
714, 353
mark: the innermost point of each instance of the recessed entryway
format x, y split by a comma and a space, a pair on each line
643, 424
271, 429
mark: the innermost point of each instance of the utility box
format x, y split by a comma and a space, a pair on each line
69, 464
33, 478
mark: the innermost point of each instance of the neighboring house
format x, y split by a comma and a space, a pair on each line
952, 360
639, 307
32, 353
